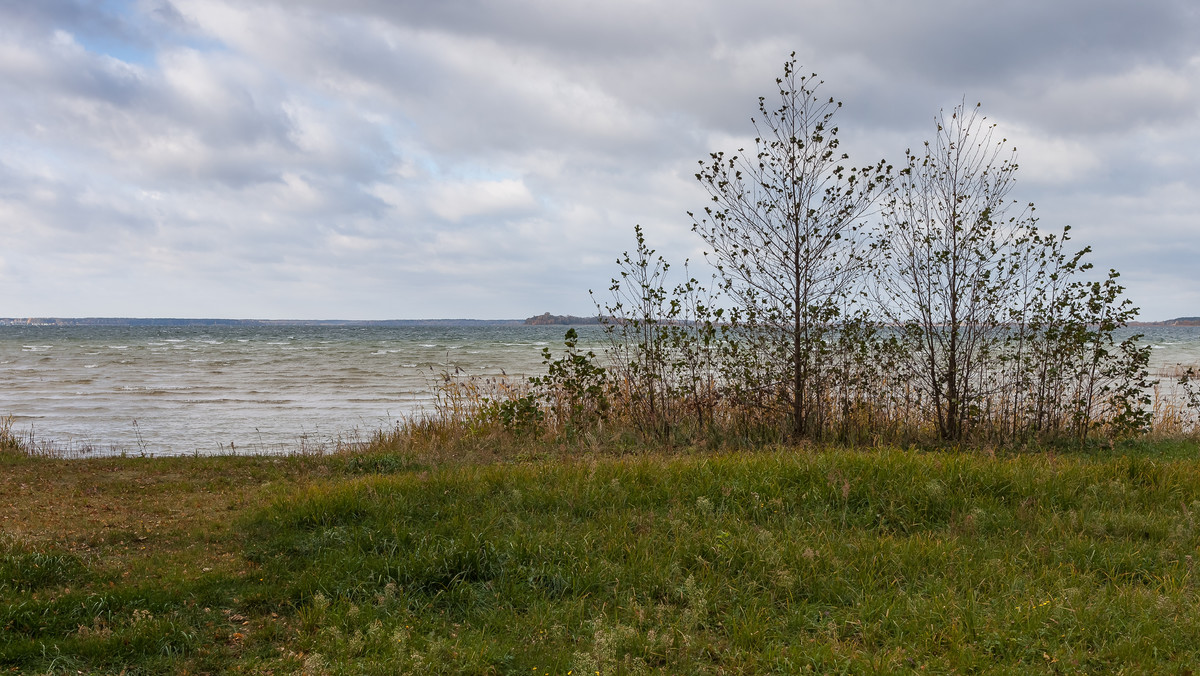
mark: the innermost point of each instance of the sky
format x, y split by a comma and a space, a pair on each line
375, 159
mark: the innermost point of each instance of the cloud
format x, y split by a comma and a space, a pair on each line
368, 158
457, 200
1117, 102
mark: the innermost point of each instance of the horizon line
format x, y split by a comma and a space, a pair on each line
36, 320
119, 320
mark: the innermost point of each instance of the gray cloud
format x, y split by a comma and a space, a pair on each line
377, 159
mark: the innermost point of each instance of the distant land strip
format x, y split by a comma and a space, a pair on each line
547, 319
168, 321
544, 319
1178, 321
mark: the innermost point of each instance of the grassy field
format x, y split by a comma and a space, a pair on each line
779, 561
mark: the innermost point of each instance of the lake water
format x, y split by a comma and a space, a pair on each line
174, 390
183, 390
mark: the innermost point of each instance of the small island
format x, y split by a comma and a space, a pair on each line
547, 319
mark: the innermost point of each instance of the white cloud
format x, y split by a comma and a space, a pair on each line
458, 200
1051, 160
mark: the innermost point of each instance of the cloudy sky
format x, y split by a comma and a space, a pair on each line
371, 159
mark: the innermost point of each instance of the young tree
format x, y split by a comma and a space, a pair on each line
664, 342
1001, 325
784, 229
636, 322
953, 244
1077, 376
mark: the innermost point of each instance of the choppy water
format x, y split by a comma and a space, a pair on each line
182, 390
1172, 345
173, 390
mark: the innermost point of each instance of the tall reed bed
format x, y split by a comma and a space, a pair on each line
678, 387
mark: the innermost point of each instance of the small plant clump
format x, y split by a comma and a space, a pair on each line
10, 442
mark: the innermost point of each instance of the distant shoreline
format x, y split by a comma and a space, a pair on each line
167, 321
545, 319
1178, 321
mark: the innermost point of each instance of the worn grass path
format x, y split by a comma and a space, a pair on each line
829, 560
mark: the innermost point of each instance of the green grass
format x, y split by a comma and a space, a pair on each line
831, 560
